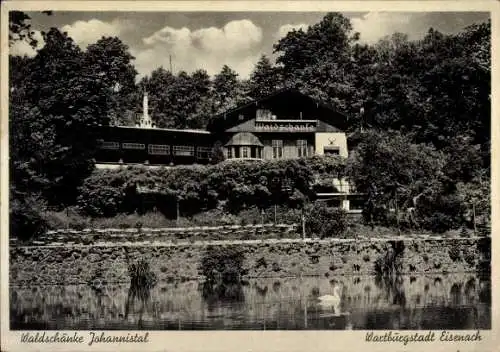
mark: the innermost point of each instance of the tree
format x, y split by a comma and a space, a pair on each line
20, 28
394, 170
329, 39
264, 80
53, 109
228, 92
179, 101
158, 86
318, 61
109, 59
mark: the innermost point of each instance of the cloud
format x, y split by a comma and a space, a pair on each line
283, 30
236, 44
376, 25
22, 48
89, 32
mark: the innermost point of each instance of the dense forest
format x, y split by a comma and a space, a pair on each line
419, 110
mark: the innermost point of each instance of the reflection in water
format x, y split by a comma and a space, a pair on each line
416, 302
141, 295
222, 294
393, 288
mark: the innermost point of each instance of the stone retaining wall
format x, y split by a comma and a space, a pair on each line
162, 235
76, 263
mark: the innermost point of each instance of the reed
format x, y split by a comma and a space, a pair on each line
390, 263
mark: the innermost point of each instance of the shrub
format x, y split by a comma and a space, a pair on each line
390, 263
455, 251
26, 217
261, 262
222, 264
239, 185
440, 213
99, 200
326, 222
470, 257
141, 275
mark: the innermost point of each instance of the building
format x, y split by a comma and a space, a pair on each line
148, 145
287, 124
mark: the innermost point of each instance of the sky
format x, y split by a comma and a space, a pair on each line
208, 40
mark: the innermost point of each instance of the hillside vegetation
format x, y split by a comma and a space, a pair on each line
419, 123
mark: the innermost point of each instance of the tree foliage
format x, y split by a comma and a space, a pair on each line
53, 109
264, 80
435, 92
110, 60
234, 184
396, 172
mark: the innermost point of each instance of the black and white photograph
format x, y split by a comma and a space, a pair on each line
247, 170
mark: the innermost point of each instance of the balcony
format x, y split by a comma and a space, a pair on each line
270, 125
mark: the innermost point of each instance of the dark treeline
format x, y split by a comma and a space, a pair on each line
419, 110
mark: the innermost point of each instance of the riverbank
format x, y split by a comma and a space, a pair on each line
65, 263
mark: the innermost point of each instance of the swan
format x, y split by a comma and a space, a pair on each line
331, 301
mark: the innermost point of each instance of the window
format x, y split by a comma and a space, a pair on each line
302, 148
229, 152
110, 145
277, 148
264, 114
203, 153
158, 149
183, 150
331, 150
244, 151
133, 146
341, 185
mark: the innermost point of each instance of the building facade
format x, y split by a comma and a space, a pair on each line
285, 125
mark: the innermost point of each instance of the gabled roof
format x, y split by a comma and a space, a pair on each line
244, 138
227, 118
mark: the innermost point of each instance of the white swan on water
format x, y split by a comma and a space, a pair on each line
331, 301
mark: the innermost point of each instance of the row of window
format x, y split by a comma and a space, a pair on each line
244, 153
277, 144
161, 149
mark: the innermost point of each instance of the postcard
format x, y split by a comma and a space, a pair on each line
275, 176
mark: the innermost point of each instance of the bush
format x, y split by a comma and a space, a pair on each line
26, 217
222, 265
390, 263
141, 275
99, 200
441, 213
326, 222
470, 257
237, 184
455, 251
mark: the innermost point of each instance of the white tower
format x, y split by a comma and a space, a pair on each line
145, 120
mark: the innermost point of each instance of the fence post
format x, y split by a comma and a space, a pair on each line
262, 221
177, 210
474, 218
303, 224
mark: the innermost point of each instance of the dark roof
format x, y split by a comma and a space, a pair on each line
176, 130
288, 94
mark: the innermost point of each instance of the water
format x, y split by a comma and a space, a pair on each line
409, 302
